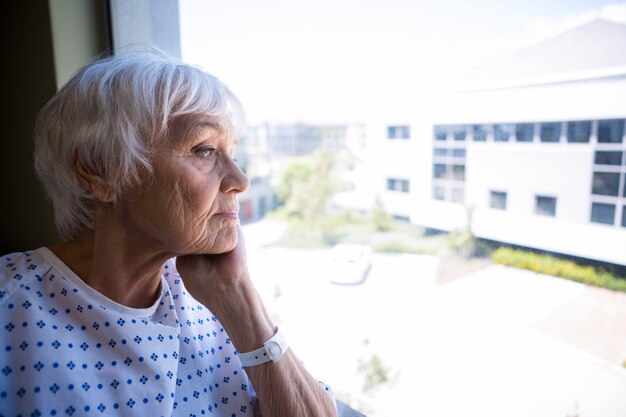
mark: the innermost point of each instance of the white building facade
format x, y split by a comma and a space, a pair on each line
536, 159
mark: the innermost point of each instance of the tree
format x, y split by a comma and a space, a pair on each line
306, 188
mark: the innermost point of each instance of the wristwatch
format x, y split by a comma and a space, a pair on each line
273, 349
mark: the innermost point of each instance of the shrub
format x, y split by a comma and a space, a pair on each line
551, 265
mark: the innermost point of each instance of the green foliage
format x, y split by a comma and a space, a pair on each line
296, 174
463, 242
306, 188
551, 265
381, 220
375, 373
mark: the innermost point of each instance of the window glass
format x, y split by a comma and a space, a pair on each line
391, 184
524, 132
501, 132
623, 216
404, 186
497, 200
479, 133
440, 132
608, 158
440, 152
439, 193
578, 132
550, 132
458, 195
545, 206
398, 132
459, 132
458, 172
603, 213
611, 131
459, 153
605, 183
439, 171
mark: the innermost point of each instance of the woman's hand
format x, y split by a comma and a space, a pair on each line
205, 274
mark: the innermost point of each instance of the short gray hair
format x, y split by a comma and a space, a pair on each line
109, 115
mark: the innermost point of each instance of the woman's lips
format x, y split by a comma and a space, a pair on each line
228, 215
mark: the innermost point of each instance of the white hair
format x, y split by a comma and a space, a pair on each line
109, 115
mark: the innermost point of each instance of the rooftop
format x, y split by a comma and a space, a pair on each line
596, 49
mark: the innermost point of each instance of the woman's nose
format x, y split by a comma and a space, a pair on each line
235, 180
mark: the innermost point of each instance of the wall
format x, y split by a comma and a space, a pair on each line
27, 219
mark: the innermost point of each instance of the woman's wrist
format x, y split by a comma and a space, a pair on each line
239, 308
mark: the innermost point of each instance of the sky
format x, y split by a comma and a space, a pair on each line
339, 61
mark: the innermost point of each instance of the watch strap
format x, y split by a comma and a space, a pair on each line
272, 350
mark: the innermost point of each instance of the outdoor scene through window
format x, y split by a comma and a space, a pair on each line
440, 187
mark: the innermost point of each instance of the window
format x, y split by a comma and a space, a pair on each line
440, 133
608, 158
524, 132
458, 172
440, 152
611, 131
545, 206
501, 132
400, 185
479, 133
459, 132
458, 195
439, 171
439, 193
550, 132
497, 200
458, 153
603, 213
605, 183
578, 132
623, 216
398, 132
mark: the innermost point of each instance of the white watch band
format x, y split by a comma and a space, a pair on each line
273, 349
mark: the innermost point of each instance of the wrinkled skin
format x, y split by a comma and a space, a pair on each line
188, 205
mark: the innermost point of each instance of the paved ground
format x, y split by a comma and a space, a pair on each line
498, 342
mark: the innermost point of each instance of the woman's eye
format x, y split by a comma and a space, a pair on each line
206, 153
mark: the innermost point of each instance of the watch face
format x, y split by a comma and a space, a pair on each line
274, 350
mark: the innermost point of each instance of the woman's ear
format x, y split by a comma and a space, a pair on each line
92, 183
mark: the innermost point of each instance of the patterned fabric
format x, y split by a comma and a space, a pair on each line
68, 350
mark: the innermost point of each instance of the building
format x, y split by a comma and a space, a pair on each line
530, 149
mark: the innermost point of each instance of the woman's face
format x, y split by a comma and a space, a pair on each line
188, 205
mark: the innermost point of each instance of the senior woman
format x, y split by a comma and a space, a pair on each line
147, 306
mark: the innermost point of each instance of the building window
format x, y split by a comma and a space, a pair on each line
458, 172
458, 152
608, 158
501, 132
623, 216
398, 132
497, 200
545, 206
524, 132
439, 171
578, 132
458, 195
479, 133
603, 213
440, 132
611, 131
550, 132
459, 132
605, 183
439, 193
396, 184
440, 152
